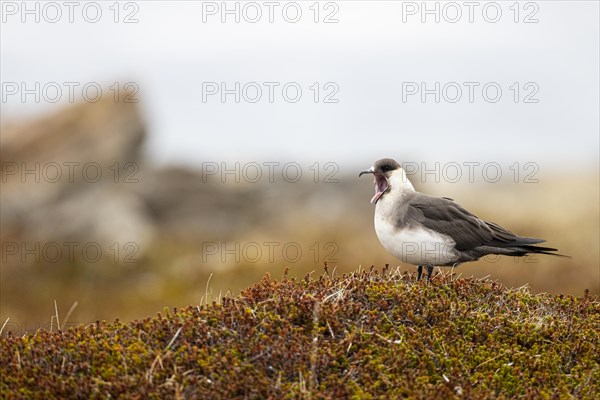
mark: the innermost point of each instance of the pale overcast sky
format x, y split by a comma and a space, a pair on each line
373, 63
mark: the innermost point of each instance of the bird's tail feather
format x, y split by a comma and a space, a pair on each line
525, 245
529, 249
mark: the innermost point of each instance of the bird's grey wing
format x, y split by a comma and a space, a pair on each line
467, 230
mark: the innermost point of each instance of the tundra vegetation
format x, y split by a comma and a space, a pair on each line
364, 334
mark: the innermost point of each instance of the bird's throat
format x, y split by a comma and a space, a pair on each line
381, 186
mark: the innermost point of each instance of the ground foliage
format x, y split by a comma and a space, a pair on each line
364, 335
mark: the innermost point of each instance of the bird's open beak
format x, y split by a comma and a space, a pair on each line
366, 171
381, 183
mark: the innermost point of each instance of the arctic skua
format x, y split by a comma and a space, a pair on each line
433, 231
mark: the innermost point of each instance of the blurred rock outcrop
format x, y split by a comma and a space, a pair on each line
80, 175
61, 176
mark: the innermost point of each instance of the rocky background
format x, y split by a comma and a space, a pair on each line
88, 222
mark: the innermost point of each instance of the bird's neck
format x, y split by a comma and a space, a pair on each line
399, 182
400, 187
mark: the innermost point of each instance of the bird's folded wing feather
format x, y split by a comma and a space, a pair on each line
445, 216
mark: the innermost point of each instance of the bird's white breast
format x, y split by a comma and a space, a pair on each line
418, 245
